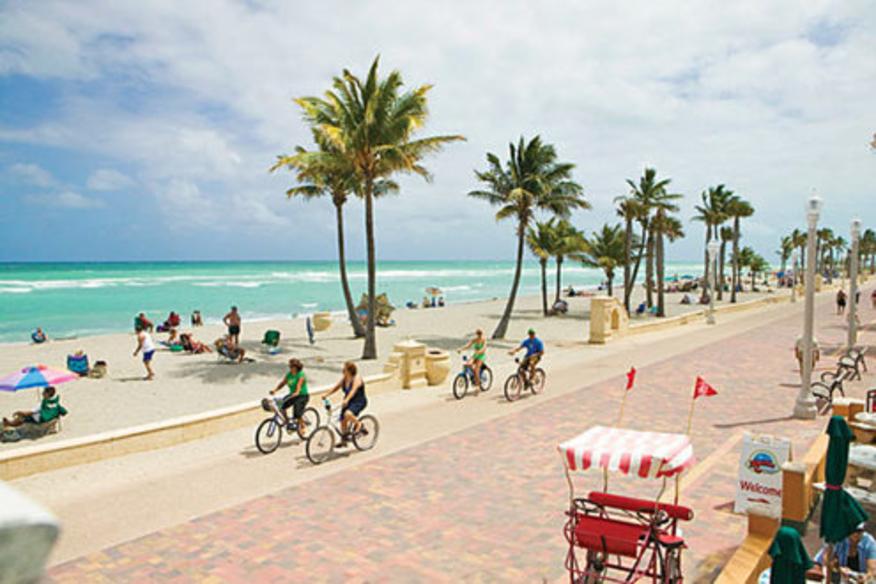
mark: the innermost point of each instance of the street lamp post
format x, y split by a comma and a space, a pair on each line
805, 404
713, 253
794, 255
853, 284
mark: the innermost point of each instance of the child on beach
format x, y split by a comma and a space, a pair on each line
147, 347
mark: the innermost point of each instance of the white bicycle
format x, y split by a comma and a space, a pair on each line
321, 442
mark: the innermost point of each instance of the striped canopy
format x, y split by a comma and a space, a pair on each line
35, 376
629, 452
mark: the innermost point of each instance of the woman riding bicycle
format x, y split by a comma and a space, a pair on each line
297, 399
479, 354
354, 402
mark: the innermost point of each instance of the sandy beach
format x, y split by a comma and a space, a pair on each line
189, 384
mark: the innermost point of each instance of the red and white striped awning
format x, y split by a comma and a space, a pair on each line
629, 452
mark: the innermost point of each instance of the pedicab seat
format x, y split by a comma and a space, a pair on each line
639, 505
609, 535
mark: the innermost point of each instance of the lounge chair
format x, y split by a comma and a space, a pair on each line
78, 364
271, 341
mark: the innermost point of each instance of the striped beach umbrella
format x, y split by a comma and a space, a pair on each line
35, 376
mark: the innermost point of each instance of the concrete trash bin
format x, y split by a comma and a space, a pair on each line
437, 366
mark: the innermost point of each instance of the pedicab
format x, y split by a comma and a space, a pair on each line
616, 538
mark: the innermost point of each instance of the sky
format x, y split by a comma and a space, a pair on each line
145, 130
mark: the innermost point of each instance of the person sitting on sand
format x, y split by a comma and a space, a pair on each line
232, 321
147, 347
196, 318
227, 347
50, 408
686, 299
298, 396
191, 345
354, 402
38, 336
478, 345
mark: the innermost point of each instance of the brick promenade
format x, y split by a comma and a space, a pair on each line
487, 503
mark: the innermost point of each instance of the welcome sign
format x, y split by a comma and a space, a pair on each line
760, 472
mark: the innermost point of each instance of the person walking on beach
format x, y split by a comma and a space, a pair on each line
147, 347
840, 301
298, 396
478, 344
232, 321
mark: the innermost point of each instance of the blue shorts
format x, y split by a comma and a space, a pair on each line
147, 356
355, 407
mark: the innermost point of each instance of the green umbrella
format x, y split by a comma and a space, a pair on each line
840, 512
790, 560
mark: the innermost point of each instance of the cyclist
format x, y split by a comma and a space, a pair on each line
478, 344
354, 402
297, 399
534, 351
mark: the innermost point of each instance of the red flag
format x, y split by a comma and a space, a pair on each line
703, 389
631, 378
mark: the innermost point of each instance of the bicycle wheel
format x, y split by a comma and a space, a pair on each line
366, 437
538, 379
822, 395
460, 386
672, 567
310, 417
268, 436
320, 445
512, 388
486, 378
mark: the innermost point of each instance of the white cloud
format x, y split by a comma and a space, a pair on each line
107, 179
32, 174
769, 98
65, 200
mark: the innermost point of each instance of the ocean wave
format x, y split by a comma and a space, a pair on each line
5, 290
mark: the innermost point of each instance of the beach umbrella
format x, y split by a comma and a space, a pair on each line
790, 559
35, 376
433, 291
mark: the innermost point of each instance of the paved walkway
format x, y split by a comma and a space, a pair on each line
488, 501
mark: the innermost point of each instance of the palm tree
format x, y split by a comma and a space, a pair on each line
605, 250
568, 241
372, 123
712, 213
726, 235
757, 265
644, 194
745, 258
786, 248
670, 227
868, 247
542, 243
530, 180
799, 240
823, 240
737, 209
631, 211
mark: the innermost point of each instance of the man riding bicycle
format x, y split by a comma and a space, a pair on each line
297, 399
534, 350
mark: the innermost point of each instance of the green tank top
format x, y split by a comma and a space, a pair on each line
479, 352
292, 382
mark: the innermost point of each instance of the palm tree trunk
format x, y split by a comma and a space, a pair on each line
369, 351
649, 270
734, 280
559, 277
721, 270
706, 262
358, 329
502, 327
629, 290
661, 302
628, 244
544, 306
610, 277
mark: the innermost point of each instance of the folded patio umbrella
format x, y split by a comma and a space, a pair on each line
840, 512
35, 376
790, 559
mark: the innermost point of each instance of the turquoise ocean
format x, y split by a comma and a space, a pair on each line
80, 299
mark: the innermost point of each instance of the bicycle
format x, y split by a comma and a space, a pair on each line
321, 443
269, 432
520, 380
466, 377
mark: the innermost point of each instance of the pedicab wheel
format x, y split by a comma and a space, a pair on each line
268, 436
512, 388
486, 378
320, 445
366, 437
460, 386
538, 379
672, 567
310, 417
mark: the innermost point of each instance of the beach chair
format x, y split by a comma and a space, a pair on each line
271, 341
78, 364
